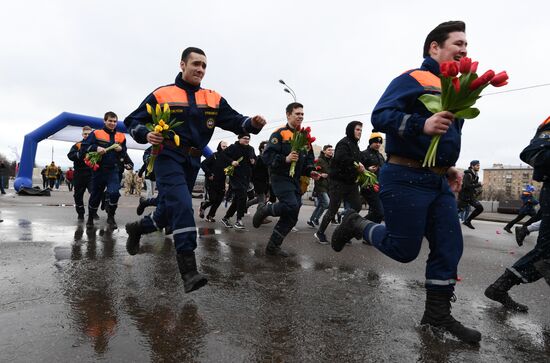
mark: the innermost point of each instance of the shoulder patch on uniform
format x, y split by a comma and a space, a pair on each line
544, 135
274, 140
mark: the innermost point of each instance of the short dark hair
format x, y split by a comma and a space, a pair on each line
441, 32
292, 106
109, 114
327, 147
187, 51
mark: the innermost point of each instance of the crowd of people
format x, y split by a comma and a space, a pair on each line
410, 203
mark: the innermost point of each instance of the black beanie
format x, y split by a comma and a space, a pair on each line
243, 134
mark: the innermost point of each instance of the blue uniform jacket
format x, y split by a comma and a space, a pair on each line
199, 109
105, 138
401, 116
277, 150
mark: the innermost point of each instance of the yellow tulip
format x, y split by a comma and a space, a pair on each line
166, 108
177, 140
165, 127
157, 109
158, 129
149, 109
162, 123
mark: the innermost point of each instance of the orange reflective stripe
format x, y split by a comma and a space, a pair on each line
102, 135
428, 80
286, 135
173, 95
545, 122
119, 137
78, 145
207, 98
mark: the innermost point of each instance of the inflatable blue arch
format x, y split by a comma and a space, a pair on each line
26, 164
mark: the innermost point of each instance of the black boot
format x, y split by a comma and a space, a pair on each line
90, 221
468, 224
262, 212
543, 267
192, 279
521, 233
498, 291
438, 315
352, 226
80, 212
134, 232
273, 247
111, 223
143, 203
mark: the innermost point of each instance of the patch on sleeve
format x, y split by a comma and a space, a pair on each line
274, 140
544, 135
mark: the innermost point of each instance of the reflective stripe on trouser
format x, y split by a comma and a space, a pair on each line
287, 208
416, 204
523, 268
100, 180
175, 182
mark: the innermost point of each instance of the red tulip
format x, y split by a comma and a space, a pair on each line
456, 84
473, 67
308, 129
449, 69
483, 80
500, 79
465, 65
312, 140
376, 188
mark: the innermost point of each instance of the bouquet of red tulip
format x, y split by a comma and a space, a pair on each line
458, 94
299, 141
93, 158
367, 179
230, 170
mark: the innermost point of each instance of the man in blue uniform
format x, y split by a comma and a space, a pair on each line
108, 173
278, 156
418, 202
535, 264
176, 167
82, 174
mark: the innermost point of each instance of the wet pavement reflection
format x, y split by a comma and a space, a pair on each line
315, 306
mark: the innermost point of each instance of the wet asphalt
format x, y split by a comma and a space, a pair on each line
71, 294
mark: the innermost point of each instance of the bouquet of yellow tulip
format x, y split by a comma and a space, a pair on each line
230, 170
163, 125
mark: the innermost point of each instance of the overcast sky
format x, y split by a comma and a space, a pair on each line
88, 57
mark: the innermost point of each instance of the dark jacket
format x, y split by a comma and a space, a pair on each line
278, 148
537, 153
243, 172
213, 166
77, 157
401, 116
346, 154
142, 173
471, 187
322, 166
373, 157
200, 110
529, 202
260, 177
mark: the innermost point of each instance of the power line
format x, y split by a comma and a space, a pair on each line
518, 89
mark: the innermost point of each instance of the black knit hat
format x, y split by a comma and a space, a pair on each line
474, 162
243, 134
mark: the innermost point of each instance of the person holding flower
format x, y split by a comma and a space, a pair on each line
286, 166
107, 174
196, 111
418, 200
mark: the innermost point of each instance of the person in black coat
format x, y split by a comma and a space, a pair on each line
240, 179
342, 176
470, 192
260, 179
374, 160
214, 184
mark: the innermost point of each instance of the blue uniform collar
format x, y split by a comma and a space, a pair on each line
186, 86
431, 65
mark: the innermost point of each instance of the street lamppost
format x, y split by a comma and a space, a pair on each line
288, 90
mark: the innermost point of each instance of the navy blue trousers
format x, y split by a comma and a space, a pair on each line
288, 206
100, 179
419, 203
175, 180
